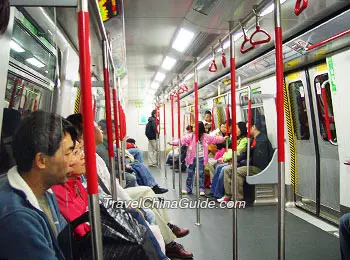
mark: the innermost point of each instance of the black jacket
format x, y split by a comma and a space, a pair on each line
260, 155
151, 128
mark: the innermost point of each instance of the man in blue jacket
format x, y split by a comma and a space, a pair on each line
29, 216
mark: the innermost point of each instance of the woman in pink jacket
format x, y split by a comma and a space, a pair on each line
190, 142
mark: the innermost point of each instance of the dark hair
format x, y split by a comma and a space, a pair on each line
103, 124
243, 128
4, 15
77, 121
207, 112
201, 129
229, 122
39, 132
154, 113
189, 128
131, 140
257, 123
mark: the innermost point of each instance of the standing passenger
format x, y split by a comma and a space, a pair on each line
29, 216
190, 141
151, 133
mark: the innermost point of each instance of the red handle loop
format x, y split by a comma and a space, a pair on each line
243, 47
259, 30
300, 6
223, 59
213, 67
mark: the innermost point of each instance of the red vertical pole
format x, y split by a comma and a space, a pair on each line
88, 127
213, 119
14, 92
164, 119
178, 116
326, 114
108, 103
157, 120
196, 110
120, 121
172, 116
280, 130
227, 119
249, 121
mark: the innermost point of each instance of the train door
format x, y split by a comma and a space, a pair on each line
307, 164
327, 142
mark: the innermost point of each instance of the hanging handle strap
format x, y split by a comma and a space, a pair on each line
300, 6
213, 67
249, 47
258, 30
223, 55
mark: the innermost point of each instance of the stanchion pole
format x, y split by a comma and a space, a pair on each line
234, 143
165, 168
172, 135
280, 130
196, 115
117, 137
88, 127
179, 138
158, 134
116, 125
109, 120
249, 125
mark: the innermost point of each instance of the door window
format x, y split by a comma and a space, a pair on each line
298, 106
321, 81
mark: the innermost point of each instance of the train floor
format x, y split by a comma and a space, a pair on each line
257, 231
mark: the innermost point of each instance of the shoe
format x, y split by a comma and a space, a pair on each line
209, 195
201, 193
152, 165
177, 250
223, 199
159, 190
179, 232
186, 191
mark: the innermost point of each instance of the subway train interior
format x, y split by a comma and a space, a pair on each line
174, 129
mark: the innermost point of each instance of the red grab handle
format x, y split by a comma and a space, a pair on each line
223, 59
246, 40
300, 6
213, 67
259, 30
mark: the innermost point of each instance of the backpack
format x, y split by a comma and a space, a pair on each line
122, 236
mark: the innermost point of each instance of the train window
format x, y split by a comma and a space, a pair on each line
255, 96
257, 115
298, 106
318, 82
26, 49
23, 95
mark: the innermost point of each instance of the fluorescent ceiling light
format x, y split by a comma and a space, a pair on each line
183, 39
16, 47
35, 62
168, 63
160, 76
204, 63
189, 76
270, 8
154, 85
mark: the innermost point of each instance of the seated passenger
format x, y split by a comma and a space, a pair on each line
344, 236
169, 231
207, 121
134, 149
217, 188
261, 155
72, 197
190, 141
29, 216
11, 120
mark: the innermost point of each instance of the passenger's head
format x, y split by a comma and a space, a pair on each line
154, 113
256, 127
223, 128
189, 129
207, 116
77, 164
4, 15
201, 129
77, 121
241, 129
44, 142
